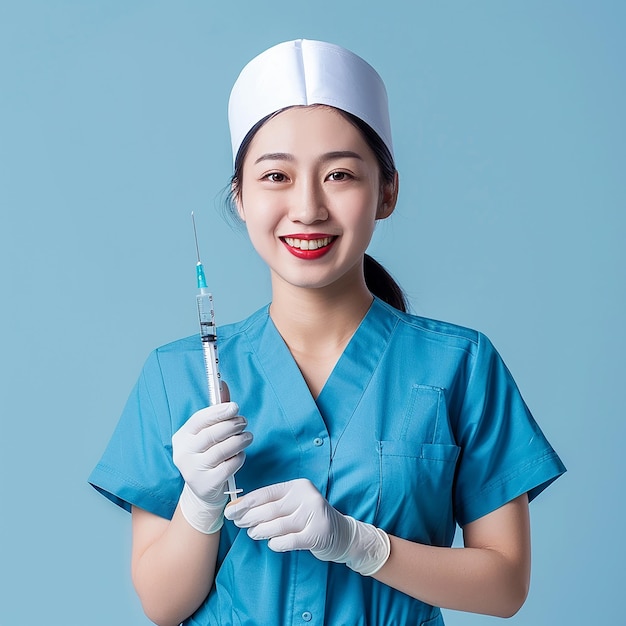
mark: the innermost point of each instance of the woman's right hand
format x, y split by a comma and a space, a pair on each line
208, 449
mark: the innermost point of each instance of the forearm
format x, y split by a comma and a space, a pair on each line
174, 572
479, 580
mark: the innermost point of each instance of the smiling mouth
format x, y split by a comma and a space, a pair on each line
308, 244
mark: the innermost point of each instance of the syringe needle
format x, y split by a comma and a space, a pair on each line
199, 269
195, 235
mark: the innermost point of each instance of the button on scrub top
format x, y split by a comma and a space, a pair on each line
420, 427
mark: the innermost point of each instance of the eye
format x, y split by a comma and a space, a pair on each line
275, 177
339, 176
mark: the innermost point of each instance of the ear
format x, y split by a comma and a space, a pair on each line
388, 198
235, 193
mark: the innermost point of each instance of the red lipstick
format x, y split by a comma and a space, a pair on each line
308, 246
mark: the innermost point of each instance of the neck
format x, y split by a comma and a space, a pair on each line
316, 320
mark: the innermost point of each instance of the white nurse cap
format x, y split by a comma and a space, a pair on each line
304, 72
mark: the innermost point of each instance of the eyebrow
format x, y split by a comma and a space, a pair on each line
275, 156
324, 158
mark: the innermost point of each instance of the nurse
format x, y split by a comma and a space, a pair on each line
376, 432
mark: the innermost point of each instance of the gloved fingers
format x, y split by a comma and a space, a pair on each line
292, 490
208, 416
261, 505
286, 543
273, 526
217, 454
211, 487
215, 433
293, 534
229, 467
264, 514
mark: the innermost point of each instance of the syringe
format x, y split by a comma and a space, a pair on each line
208, 336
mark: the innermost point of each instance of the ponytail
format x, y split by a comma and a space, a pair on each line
380, 282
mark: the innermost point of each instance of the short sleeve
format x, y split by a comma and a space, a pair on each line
136, 467
504, 454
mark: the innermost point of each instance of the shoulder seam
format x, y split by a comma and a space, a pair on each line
421, 323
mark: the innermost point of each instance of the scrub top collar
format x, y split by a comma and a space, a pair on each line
346, 383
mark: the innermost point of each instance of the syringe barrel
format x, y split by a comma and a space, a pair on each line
206, 315
209, 348
208, 335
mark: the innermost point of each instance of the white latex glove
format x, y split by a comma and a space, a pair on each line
295, 516
208, 449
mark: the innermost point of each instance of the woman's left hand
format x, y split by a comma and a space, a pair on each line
295, 516
292, 515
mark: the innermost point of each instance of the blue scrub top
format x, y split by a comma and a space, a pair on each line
419, 427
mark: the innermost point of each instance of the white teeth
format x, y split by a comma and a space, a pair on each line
307, 244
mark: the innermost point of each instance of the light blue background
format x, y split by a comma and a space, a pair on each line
510, 138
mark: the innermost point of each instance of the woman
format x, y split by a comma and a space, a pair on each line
375, 432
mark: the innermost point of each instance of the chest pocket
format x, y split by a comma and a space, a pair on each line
417, 457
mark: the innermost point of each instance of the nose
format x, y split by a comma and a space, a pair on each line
308, 205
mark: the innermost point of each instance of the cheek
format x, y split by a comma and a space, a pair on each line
252, 210
261, 227
360, 217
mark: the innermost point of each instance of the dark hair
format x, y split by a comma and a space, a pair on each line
377, 278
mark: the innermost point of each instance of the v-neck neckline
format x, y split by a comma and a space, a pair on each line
347, 381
